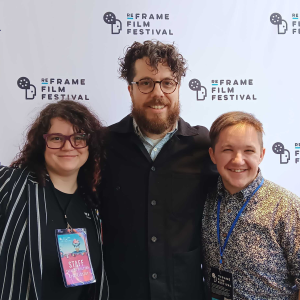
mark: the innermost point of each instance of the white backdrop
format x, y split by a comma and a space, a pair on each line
222, 40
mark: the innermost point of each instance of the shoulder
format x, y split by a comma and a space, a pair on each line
123, 126
6, 172
198, 133
14, 175
9, 174
284, 199
211, 197
186, 129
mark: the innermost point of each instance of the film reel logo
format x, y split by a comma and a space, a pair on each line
116, 25
278, 148
195, 85
30, 90
282, 26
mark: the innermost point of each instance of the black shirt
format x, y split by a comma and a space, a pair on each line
151, 214
79, 216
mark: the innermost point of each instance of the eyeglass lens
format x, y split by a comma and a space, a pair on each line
57, 141
147, 85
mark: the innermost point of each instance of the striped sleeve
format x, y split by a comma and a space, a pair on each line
6, 175
15, 277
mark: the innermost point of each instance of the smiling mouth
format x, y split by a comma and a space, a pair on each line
157, 106
237, 170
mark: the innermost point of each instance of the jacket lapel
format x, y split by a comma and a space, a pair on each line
177, 144
138, 143
37, 216
126, 131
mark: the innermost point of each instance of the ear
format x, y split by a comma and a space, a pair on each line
262, 155
212, 155
130, 90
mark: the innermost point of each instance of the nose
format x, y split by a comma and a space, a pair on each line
67, 146
157, 90
238, 158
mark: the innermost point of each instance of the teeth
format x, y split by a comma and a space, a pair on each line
237, 171
157, 107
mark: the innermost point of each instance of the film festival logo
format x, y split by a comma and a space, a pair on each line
201, 92
224, 90
278, 148
281, 24
116, 25
139, 23
30, 90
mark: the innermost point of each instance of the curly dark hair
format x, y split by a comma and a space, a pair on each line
157, 52
83, 120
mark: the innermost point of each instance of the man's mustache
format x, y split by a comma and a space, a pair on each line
156, 101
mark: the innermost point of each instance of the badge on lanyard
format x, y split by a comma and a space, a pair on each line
221, 285
74, 256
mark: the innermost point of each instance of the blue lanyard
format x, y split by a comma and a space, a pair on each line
222, 248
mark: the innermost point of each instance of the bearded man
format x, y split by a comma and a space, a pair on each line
154, 184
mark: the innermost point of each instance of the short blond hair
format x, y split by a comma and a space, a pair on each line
234, 118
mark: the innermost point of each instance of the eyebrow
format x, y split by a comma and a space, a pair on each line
230, 146
170, 78
145, 78
226, 145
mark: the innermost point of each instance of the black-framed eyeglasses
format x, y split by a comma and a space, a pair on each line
146, 86
58, 140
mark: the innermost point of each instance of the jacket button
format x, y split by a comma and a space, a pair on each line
154, 276
153, 202
153, 168
117, 188
154, 239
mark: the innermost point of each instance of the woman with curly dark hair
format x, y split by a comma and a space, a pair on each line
51, 245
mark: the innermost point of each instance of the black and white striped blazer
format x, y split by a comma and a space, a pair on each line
23, 219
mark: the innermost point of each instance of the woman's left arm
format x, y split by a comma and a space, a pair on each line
6, 175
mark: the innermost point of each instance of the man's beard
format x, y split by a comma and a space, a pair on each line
156, 125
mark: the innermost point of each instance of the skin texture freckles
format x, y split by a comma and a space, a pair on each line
237, 155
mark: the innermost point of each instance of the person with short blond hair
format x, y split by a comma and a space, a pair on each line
251, 226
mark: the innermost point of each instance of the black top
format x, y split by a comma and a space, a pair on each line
151, 214
79, 216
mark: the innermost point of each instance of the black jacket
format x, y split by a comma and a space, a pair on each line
23, 221
152, 214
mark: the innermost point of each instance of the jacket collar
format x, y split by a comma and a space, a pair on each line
126, 126
244, 193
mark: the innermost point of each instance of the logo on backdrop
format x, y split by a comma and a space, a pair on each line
224, 89
278, 148
54, 89
115, 24
201, 93
281, 24
30, 90
139, 24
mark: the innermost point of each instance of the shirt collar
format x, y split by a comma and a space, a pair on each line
243, 194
